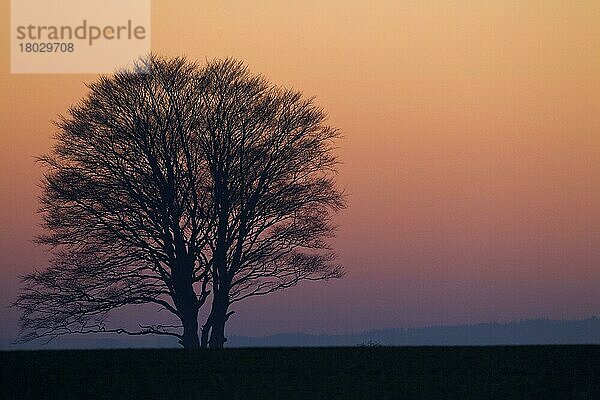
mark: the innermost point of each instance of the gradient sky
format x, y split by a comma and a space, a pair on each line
471, 153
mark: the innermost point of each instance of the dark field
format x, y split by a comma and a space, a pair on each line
501, 372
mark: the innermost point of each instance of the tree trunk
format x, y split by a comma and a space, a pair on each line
218, 319
187, 306
190, 332
217, 333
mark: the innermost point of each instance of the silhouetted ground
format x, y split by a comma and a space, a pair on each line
502, 372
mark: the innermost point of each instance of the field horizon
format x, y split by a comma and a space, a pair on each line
540, 331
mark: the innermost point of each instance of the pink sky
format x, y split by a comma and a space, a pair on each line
471, 153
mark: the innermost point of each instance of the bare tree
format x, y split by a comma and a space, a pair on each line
124, 207
270, 157
168, 185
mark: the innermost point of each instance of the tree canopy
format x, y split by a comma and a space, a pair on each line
173, 183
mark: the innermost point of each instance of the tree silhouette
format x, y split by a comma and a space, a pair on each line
172, 181
125, 221
270, 157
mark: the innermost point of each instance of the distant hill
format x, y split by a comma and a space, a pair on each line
538, 331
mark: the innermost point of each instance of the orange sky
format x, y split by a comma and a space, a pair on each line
471, 152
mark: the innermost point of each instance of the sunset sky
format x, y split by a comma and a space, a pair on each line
471, 153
